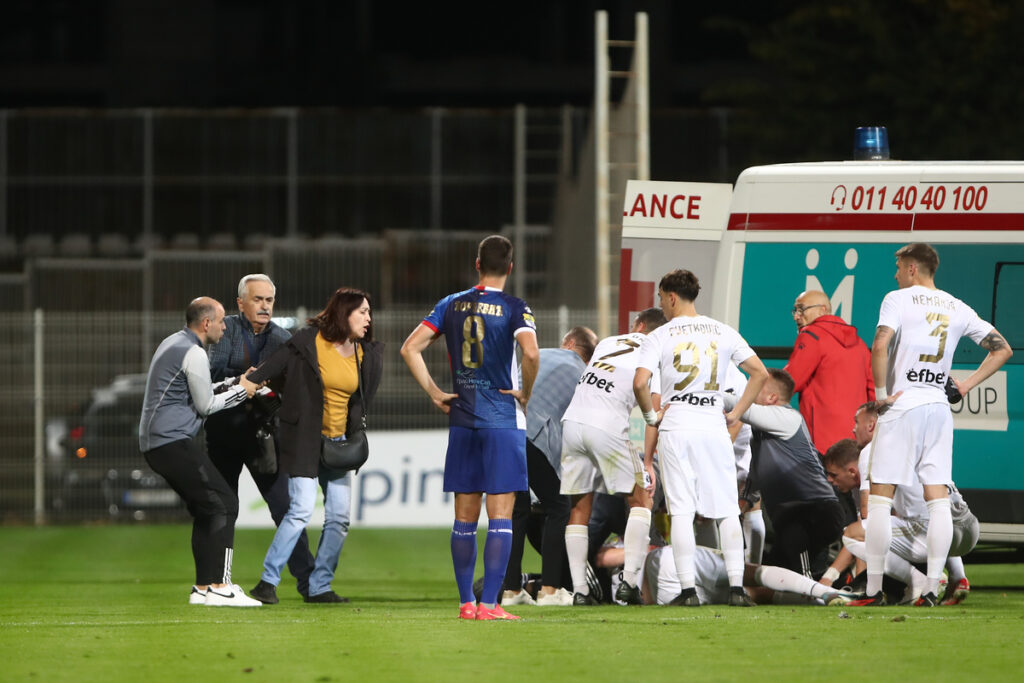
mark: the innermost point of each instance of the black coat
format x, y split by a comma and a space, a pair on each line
302, 397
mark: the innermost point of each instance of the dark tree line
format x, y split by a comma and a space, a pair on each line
944, 75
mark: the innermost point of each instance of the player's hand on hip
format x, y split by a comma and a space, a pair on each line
517, 395
887, 402
443, 401
731, 418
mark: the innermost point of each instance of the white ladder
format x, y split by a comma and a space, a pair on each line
622, 151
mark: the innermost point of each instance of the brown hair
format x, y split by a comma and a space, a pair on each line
924, 255
682, 283
333, 320
495, 255
652, 319
841, 453
785, 382
868, 408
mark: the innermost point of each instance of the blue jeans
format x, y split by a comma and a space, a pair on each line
302, 495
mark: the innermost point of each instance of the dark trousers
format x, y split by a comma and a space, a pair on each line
803, 532
554, 562
211, 502
231, 442
608, 515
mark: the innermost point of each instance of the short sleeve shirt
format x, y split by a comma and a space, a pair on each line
928, 324
480, 326
693, 356
604, 395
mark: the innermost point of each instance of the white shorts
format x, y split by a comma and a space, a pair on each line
910, 539
913, 445
662, 581
595, 460
743, 456
741, 449
698, 472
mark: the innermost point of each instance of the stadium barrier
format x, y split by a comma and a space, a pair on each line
73, 384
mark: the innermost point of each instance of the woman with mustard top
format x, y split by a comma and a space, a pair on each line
319, 380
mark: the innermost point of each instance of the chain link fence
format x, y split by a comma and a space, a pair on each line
73, 392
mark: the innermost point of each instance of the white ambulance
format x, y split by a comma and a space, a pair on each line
835, 226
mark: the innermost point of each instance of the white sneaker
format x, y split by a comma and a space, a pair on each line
197, 597
520, 597
229, 596
560, 598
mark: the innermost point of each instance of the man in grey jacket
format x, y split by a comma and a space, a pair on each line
560, 371
785, 467
179, 394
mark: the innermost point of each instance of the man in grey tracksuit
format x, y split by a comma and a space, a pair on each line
786, 468
179, 394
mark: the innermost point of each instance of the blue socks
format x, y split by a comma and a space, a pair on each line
464, 557
496, 554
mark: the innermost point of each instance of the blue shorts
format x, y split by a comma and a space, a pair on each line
487, 460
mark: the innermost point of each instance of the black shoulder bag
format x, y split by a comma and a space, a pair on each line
344, 455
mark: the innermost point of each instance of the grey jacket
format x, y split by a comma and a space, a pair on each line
784, 466
179, 393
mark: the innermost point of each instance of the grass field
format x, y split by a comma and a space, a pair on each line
109, 604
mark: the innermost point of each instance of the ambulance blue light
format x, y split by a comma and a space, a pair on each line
870, 143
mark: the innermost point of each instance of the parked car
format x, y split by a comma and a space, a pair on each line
97, 466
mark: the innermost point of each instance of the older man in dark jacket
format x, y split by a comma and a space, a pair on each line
250, 338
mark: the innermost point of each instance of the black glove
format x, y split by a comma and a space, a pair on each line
953, 394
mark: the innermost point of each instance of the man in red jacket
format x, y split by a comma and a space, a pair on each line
831, 367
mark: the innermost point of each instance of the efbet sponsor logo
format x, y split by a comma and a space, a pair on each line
694, 400
927, 376
593, 380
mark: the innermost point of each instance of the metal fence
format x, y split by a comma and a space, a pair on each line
401, 268
73, 388
78, 181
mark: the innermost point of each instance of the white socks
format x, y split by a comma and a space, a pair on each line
731, 533
955, 567
577, 543
684, 548
784, 580
753, 535
895, 566
635, 541
877, 537
940, 535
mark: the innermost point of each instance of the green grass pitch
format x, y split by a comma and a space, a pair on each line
109, 603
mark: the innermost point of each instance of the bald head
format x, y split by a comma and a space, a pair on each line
205, 316
582, 340
809, 306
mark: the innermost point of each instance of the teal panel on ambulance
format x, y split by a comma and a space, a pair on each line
836, 226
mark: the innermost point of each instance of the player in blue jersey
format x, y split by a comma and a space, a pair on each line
487, 433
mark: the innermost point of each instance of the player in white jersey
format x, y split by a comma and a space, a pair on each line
751, 515
765, 584
914, 437
692, 353
844, 461
597, 455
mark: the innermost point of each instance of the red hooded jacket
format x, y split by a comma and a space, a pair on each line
831, 367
